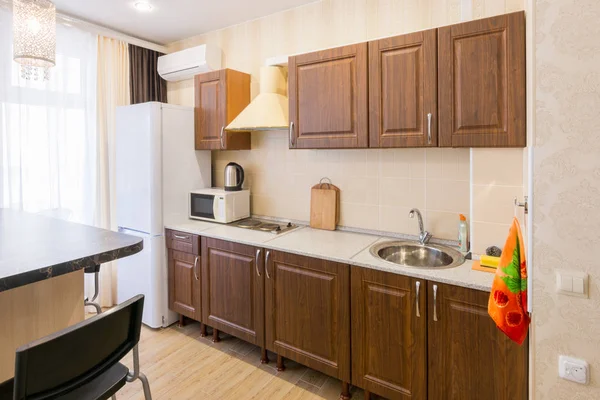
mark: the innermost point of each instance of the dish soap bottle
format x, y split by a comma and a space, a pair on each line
463, 234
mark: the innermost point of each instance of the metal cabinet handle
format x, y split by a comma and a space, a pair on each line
180, 237
222, 143
435, 318
196, 268
267, 264
418, 285
257, 261
292, 134
429, 128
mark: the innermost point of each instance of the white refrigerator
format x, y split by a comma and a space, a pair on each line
156, 167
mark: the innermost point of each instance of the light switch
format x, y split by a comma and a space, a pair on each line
565, 282
578, 285
572, 283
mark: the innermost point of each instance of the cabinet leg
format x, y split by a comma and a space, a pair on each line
216, 336
202, 330
367, 395
264, 358
345, 395
280, 363
181, 321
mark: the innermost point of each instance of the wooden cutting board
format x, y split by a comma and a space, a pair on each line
324, 206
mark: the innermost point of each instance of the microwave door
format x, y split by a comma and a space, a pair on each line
202, 206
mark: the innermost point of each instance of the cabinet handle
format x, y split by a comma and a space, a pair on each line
429, 128
292, 134
257, 258
196, 268
222, 143
180, 237
267, 264
435, 318
418, 285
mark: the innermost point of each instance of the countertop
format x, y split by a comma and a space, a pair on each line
34, 247
340, 246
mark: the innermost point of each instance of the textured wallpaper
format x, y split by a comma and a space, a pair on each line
566, 191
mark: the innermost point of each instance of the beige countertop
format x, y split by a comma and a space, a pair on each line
340, 246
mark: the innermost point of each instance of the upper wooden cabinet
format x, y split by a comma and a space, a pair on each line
219, 97
328, 98
233, 289
389, 334
403, 90
469, 357
307, 303
481, 67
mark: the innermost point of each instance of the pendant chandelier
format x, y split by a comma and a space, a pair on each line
34, 33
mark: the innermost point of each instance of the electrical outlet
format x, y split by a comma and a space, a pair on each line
573, 369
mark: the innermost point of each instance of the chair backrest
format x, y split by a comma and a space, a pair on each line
61, 362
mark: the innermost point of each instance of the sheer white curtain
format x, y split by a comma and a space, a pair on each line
48, 129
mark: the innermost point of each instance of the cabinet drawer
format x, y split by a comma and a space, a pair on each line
182, 241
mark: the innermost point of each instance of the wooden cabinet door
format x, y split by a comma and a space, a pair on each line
184, 284
233, 289
403, 90
308, 312
482, 83
389, 334
219, 97
469, 357
328, 98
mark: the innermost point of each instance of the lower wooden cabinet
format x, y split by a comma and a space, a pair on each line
308, 312
389, 334
185, 286
469, 357
233, 289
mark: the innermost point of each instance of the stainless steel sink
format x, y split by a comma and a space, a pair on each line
413, 254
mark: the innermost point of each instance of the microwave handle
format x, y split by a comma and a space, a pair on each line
216, 208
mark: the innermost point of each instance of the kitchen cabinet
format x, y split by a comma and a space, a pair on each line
403, 90
185, 286
328, 98
307, 303
389, 334
233, 289
481, 72
219, 97
469, 357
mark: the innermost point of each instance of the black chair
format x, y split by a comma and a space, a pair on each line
82, 361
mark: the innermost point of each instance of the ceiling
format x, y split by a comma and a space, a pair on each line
172, 20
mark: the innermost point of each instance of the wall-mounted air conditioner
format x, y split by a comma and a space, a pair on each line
185, 64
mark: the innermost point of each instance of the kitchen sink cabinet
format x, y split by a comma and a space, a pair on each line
403, 90
328, 98
481, 67
469, 357
219, 97
183, 254
233, 289
389, 334
308, 312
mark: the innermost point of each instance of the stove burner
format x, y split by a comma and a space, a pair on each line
269, 227
249, 223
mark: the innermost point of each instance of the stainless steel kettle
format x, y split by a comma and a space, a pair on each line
234, 177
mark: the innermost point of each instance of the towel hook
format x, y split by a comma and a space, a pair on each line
525, 205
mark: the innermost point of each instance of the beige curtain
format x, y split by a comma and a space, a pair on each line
113, 91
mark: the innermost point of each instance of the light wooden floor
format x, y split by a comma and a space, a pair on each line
182, 365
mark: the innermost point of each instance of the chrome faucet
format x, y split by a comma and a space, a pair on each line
424, 236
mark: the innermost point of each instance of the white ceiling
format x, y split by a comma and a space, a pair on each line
172, 20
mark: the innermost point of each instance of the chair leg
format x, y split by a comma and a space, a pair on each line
146, 386
96, 293
114, 397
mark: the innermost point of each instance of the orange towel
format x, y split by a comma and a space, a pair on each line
508, 299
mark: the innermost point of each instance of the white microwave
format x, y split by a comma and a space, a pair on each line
217, 205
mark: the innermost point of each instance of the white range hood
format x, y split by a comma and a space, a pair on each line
269, 110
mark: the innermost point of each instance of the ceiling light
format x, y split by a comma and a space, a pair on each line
143, 6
